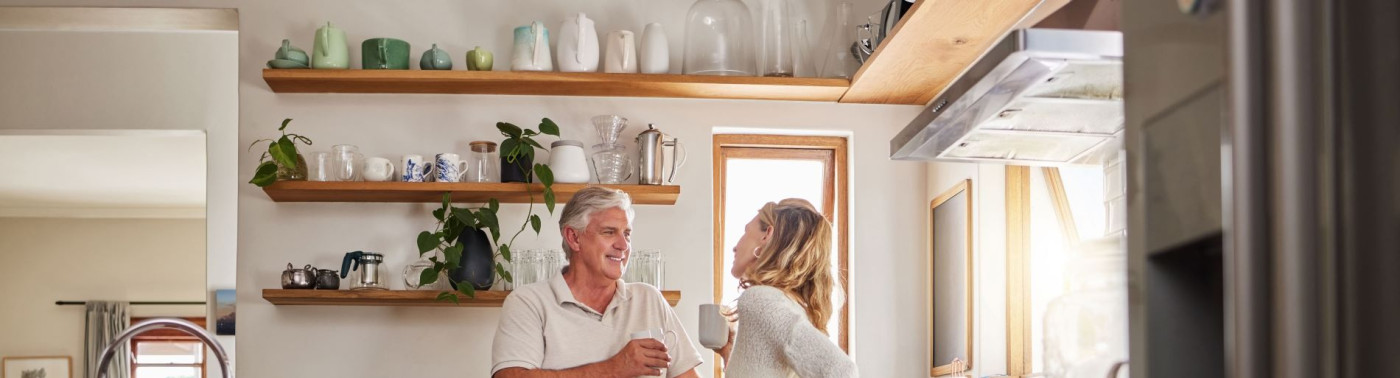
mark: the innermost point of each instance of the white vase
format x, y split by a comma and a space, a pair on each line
578, 45
654, 56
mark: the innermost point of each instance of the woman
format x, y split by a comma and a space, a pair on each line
783, 263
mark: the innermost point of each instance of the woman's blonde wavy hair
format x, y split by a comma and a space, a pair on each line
797, 258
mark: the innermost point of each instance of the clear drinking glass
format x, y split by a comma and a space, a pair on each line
717, 35
483, 163
320, 166
645, 266
775, 40
346, 159
841, 34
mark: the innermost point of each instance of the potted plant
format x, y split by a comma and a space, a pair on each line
286, 164
518, 149
469, 259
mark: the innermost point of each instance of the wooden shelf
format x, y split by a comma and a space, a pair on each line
553, 84
431, 192
934, 43
418, 298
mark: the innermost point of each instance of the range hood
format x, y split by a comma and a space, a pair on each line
1037, 97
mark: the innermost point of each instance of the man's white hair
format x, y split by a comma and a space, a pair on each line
587, 201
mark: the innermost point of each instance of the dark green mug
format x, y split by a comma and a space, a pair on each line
384, 54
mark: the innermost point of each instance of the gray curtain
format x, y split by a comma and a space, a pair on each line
105, 321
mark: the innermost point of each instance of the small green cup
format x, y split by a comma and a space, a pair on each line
479, 59
384, 54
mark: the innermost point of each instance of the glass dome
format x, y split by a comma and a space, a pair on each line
718, 35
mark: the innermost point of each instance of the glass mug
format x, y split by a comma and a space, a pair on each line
346, 160
321, 167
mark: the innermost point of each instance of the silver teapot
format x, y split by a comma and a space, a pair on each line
651, 145
294, 278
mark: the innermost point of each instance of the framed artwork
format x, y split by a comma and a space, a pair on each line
950, 281
225, 303
37, 367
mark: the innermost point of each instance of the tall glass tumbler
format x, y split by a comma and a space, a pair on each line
346, 159
775, 49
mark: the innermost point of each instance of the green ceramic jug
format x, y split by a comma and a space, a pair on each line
384, 54
435, 59
330, 51
479, 59
289, 52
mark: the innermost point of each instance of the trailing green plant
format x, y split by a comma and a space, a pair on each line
283, 153
453, 221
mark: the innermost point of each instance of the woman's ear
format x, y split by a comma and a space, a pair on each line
768, 234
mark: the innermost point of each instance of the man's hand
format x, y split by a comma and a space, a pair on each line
640, 357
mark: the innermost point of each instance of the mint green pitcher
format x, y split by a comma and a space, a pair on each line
330, 51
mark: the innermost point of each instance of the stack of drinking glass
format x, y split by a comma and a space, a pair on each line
535, 265
646, 266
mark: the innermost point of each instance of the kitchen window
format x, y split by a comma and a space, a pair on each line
167, 353
751, 170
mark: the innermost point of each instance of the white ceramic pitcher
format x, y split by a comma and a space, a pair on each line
531, 51
578, 45
622, 52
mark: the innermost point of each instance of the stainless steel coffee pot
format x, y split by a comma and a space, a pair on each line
369, 274
651, 159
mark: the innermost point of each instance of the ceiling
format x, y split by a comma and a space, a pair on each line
112, 174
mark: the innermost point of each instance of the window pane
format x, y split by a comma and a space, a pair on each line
169, 352
166, 372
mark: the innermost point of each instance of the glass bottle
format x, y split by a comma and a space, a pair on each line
838, 62
775, 47
717, 35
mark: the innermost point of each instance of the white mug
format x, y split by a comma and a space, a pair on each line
660, 335
714, 328
448, 167
415, 169
378, 169
655, 56
578, 45
622, 53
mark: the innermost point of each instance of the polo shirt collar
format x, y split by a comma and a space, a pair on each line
566, 295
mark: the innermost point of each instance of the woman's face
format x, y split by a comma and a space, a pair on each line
754, 237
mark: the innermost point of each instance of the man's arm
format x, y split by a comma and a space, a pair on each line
638, 358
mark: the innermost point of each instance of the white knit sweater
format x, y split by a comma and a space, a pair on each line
775, 339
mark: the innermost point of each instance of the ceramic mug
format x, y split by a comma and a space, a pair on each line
378, 169
654, 56
714, 328
622, 52
479, 59
435, 59
415, 169
448, 167
384, 54
667, 338
330, 50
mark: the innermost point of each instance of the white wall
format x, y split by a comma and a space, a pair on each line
377, 342
989, 259
47, 260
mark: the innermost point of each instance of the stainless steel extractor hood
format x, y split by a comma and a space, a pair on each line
1037, 97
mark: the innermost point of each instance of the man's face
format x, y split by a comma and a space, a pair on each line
605, 245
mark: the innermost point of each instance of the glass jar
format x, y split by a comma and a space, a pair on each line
776, 39
1086, 329
483, 163
346, 159
413, 273
717, 35
297, 173
838, 61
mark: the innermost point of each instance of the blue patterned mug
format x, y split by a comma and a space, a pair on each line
415, 169
449, 168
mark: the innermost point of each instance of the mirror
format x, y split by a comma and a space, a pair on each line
105, 125
950, 282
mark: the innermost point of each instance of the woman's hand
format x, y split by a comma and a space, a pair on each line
729, 344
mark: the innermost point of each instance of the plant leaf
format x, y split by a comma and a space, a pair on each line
453, 254
427, 277
465, 217
548, 126
494, 205
447, 296
509, 130
532, 142
489, 218
501, 271
545, 174
529, 132
508, 149
265, 175
283, 152
427, 241
535, 223
284, 124
446, 201
505, 252
438, 214
549, 199
466, 289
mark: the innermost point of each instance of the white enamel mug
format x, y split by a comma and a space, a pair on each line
378, 169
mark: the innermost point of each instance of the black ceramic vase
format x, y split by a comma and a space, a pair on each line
522, 170
478, 266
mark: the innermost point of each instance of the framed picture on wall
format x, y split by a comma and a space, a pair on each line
37, 367
950, 281
225, 303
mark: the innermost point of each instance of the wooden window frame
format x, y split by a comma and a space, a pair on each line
169, 335
836, 202
1019, 356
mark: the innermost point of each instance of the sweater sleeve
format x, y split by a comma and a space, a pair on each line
807, 351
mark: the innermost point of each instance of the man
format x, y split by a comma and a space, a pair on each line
578, 323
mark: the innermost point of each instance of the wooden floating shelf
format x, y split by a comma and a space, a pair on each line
416, 298
431, 192
554, 84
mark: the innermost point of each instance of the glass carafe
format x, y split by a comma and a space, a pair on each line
776, 37
837, 60
717, 35
611, 162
